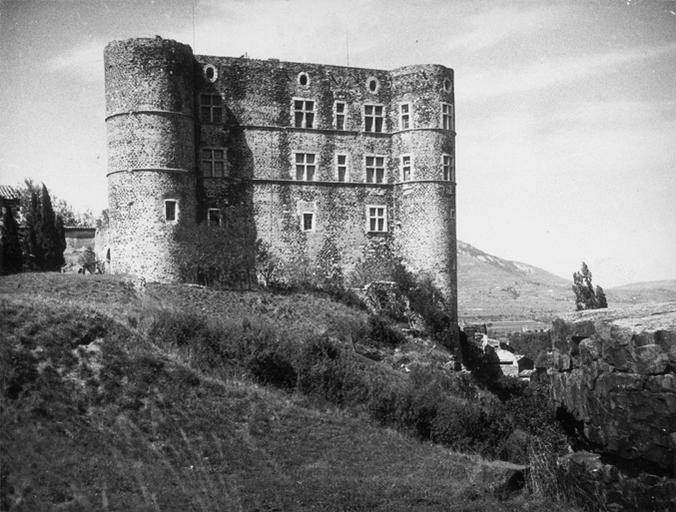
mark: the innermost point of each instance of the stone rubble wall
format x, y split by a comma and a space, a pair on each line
614, 371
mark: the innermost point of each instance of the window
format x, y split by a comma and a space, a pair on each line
308, 222
305, 166
303, 79
214, 217
213, 162
447, 170
373, 118
170, 210
446, 116
210, 72
404, 116
303, 113
341, 167
373, 84
339, 115
406, 166
211, 108
447, 85
376, 217
375, 169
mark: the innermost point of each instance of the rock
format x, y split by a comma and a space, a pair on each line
614, 371
604, 486
501, 477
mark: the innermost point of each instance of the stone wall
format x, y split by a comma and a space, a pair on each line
157, 130
614, 371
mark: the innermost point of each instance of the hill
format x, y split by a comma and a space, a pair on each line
490, 287
118, 396
643, 292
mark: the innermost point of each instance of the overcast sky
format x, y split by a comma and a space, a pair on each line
565, 110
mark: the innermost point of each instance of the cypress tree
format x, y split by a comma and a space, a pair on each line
49, 236
32, 246
12, 258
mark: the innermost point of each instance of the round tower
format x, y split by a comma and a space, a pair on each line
151, 153
423, 147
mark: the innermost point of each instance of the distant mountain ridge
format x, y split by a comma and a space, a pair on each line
490, 287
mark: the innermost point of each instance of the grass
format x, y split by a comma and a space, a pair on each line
97, 415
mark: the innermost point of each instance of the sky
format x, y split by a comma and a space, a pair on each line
565, 110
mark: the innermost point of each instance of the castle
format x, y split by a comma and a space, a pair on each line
350, 165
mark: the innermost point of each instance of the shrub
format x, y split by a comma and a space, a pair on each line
321, 369
271, 362
380, 332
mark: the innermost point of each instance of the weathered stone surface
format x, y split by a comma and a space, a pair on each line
613, 370
605, 486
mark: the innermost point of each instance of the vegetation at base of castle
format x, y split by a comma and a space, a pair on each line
120, 399
88, 261
43, 238
586, 297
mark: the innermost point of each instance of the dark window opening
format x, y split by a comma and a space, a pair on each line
170, 208
308, 221
214, 217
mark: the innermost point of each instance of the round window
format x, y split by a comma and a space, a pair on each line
210, 72
303, 79
373, 84
447, 85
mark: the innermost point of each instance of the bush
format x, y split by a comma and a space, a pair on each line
380, 332
321, 369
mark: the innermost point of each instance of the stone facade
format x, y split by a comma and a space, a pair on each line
340, 166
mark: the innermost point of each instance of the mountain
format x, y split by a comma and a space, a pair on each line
639, 293
493, 288
490, 287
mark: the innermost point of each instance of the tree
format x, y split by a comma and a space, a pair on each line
44, 239
12, 259
585, 295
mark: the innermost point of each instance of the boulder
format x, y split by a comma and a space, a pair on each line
589, 480
613, 370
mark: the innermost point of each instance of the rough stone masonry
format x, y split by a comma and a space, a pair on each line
348, 164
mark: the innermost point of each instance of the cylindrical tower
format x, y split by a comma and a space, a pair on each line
151, 153
423, 146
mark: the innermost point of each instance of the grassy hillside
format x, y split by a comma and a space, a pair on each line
490, 287
104, 410
644, 292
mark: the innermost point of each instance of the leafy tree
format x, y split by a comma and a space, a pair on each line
585, 295
12, 258
601, 297
44, 238
32, 248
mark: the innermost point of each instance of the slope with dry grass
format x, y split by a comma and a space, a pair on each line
98, 415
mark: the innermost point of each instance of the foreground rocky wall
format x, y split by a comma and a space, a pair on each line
613, 371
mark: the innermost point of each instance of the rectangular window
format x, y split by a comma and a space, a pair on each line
305, 166
213, 162
376, 218
170, 210
374, 120
211, 108
446, 116
406, 166
303, 113
404, 116
214, 217
308, 222
339, 115
447, 168
341, 168
375, 169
